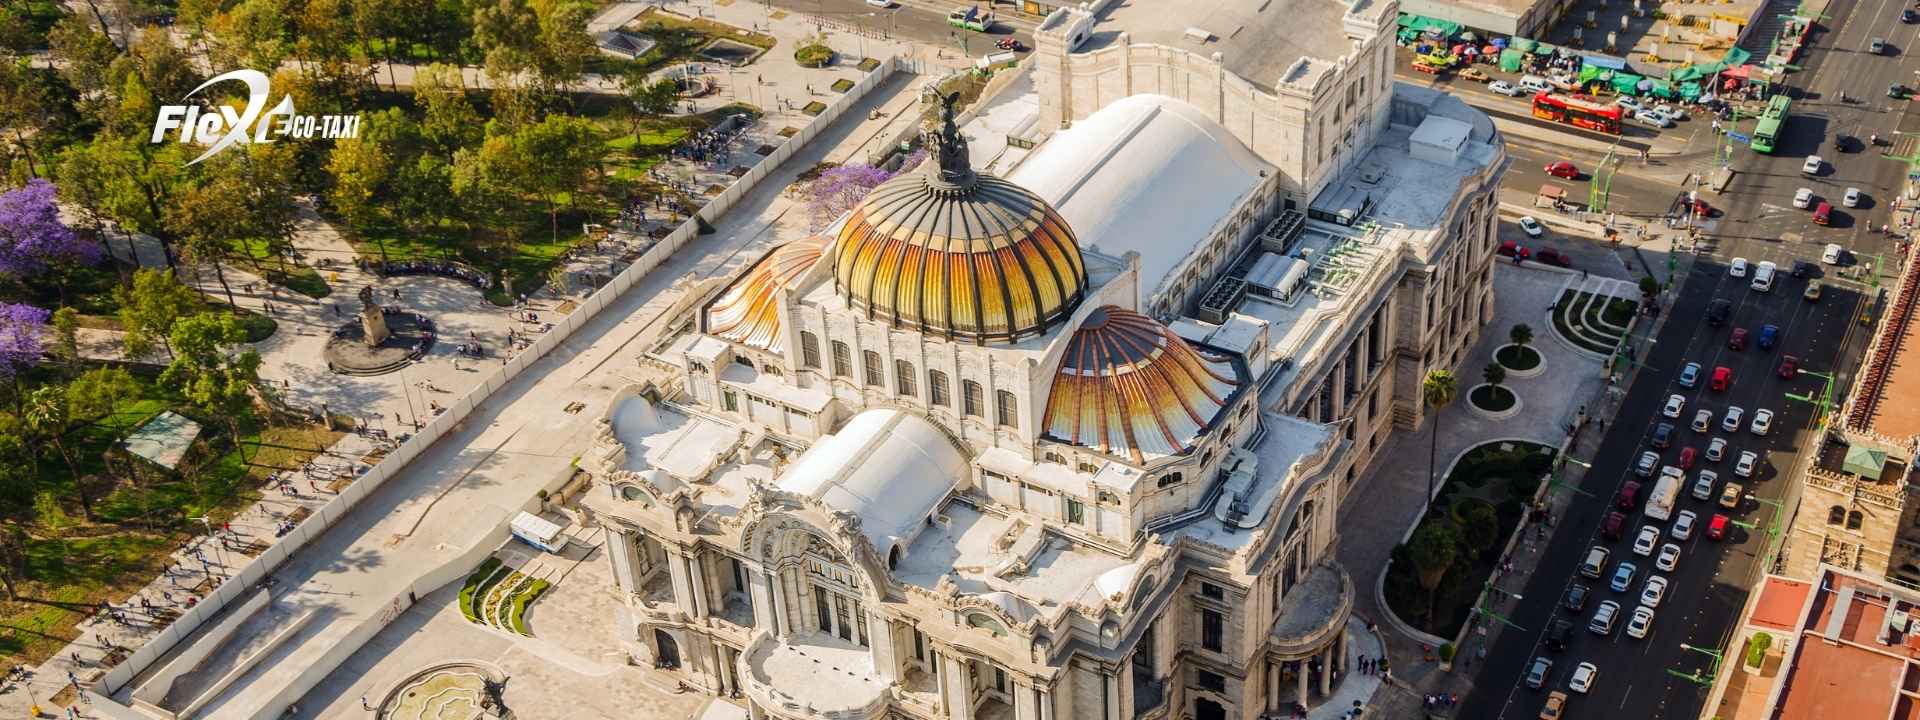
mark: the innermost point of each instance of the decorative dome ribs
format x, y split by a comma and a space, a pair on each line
950, 252
748, 312
1129, 386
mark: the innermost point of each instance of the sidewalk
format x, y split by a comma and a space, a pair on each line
1381, 511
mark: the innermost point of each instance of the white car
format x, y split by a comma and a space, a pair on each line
1744, 466
1716, 449
1731, 422
1669, 557
1629, 102
1703, 420
1673, 111
1649, 537
1703, 487
1737, 268
1583, 676
1647, 462
883, 4
1641, 623
1812, 165
1683, 524
1655, 590
1502, 87
1762, 421
1851, 199
1675, 404
1803, 198
1832, 254
1531, 227
1654, 119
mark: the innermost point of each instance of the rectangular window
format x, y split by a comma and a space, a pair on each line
822, 610
1211, 591
1211, 629
903, 378
1076, 512
872, 362
842, 360
974, 400
809, 350
1210, 681
937, 389
1006, 409
729, 402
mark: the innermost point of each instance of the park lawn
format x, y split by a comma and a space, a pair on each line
67, 577
634, 153
298, 278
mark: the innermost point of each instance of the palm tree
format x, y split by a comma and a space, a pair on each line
1494, 374
1433, 549
1437, 390
1520, 334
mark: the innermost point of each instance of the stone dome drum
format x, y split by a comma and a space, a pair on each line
1128, 386
950, 252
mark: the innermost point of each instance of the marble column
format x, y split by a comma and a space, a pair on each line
1300, 666
755, 712
620, 546
720, 674
886, 663
759, 587
682, 582
1326, 671
1345, 652
777, 587
1270, 684
959, 689
1112, 690
1023, 704
1046, 704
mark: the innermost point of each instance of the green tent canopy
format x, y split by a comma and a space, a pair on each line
1626, 83
1510, 60
1690, 91
1540, 48
1689, 72
1590, 73
1735, 58
1864, 462
1662, 88
1521, 44
1422, 23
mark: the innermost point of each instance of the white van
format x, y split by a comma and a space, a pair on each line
1535, 84
1763, 276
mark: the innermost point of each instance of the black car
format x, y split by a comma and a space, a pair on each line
1718, 312
1559, 634
1802, 269
1576, 599
1907, 16
1663, 436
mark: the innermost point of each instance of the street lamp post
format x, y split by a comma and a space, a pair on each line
1823, 405
1713, 669
218, 556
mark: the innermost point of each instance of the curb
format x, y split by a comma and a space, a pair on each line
1493, 414
1532, 372
1393, 618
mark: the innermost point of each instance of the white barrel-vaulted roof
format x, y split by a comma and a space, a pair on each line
887, 467
1147, 173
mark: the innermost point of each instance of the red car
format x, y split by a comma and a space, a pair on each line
1722, 377
1789, 367
1553, 257
1511, 249
1717, 527
1563, 169
1738, 340
1686, 458
1628, 496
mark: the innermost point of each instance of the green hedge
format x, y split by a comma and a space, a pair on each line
520, 602
476, 588
813, 55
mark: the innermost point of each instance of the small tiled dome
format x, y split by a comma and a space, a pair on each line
746, 312
950, 252
1128, 386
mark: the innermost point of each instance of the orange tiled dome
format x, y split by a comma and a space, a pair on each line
1129, 386
746, 312
949, 252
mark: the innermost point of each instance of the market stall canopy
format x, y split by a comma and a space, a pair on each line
1627, 83
1510, 60
1604, 61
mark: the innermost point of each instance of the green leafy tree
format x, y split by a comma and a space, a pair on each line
448, 121
66, 335
1437, 390
253, 34
149, 308
1479, 527
211, 371
84, 58
360, 169
1433, 549
1649, 286
554, 158
647, 98
564, 47
101, 393
1520, 334
13, 557
48, 416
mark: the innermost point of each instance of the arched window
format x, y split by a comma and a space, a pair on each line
937, 391
903, 379
874, 373
1854, 519
987, 623
893, 558
1006, 409
1170, 480
809, 350
973, 400
842, 360
1836, 515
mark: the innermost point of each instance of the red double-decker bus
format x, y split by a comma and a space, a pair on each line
1582, 111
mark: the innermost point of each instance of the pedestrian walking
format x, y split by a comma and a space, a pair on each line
364, 705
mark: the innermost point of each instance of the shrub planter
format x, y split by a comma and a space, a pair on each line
1521, 361
1486, 401
814, 55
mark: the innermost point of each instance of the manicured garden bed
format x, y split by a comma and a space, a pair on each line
1518, 357
1501, 476
1492, 398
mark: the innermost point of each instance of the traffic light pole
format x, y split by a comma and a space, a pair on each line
1823, 404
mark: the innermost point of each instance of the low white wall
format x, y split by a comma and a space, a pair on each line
155, 689
259, 567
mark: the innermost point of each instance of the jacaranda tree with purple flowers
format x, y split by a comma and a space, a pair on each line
837, 190
32, 238
22, 328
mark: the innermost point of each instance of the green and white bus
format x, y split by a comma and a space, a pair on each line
1771, 121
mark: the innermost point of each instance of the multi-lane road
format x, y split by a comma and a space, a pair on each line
1757, 222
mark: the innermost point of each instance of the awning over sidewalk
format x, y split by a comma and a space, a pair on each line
1603, 61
